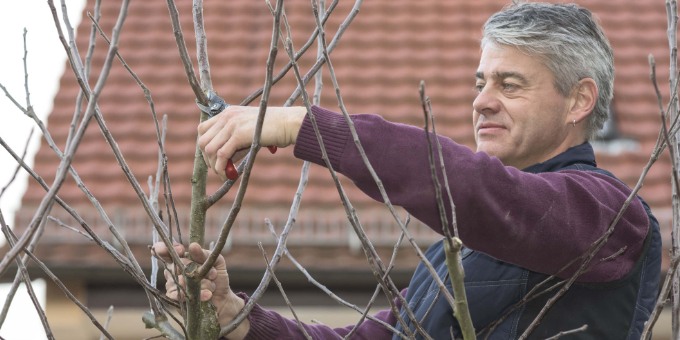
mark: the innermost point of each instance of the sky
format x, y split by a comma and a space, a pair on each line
46, 62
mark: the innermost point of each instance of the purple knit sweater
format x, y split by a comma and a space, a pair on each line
537, 221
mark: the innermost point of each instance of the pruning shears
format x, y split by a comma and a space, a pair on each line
218, 105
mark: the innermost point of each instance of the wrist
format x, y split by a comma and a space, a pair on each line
294, 120
228, 312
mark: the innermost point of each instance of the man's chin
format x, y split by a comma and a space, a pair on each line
493, 149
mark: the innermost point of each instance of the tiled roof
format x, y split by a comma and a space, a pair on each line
388, 49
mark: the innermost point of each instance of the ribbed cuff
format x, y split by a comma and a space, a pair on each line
263, 325
334, 133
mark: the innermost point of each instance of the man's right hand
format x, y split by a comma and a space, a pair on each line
230, 134
214, 286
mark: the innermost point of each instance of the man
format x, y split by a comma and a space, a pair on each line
545, 82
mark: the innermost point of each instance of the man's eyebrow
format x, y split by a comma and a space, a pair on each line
503, 75
511, 74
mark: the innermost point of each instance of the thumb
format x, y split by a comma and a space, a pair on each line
197, 253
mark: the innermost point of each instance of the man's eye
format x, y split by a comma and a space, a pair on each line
479, 88
510, 87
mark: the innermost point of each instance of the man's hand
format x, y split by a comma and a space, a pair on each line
214, 286
230, 134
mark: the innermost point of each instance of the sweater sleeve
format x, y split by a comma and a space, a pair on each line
538, 221
269, 325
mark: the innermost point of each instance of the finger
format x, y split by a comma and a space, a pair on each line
212, 274
163, 252
172, 294
197, 253
168, 275
207, 138
205, 126
223, 154
208, 285
217, 142
205, 295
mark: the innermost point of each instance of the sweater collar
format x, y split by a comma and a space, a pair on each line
583, 154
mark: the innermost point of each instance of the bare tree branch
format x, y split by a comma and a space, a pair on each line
374, 261
298, 55
92, 96
88, 63
28, 94
27, 281
573, 331
147, 94
109, 313
184, 53
56, 280
16, 171
122, 261
224, 189
254, 148
283, 293
452, 246
336, 297
280, 248
331, 47
63, 167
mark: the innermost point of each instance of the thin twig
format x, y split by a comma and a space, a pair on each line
109, 313
88, 63
374, 261
454, 223
16, 171
594, 248
159, 135
92, 96
561, 334
184, 53
283, 293
377, 288
28, 94
122, 261
532, 294
254, 148
64, 165
17, 279
82, 186
331, 47
224, 189
452, 245
56, 280
281, 246
27, 282
336, 297
298, 55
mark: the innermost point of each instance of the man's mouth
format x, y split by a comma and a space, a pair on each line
490, 127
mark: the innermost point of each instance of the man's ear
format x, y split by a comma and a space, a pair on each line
584, 98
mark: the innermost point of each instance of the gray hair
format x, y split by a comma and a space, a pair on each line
569, 41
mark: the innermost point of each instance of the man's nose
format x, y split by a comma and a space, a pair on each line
487, 101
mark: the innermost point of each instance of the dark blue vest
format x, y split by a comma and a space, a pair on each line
612, 310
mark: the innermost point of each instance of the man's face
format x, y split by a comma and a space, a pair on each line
518, 115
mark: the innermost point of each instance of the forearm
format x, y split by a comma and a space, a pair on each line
538, 221
266, 324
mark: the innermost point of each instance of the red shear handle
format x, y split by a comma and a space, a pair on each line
231, 171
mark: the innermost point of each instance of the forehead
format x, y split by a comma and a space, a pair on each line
509, 61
